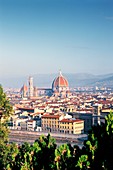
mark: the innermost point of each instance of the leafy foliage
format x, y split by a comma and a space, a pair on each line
62, 155
44, 154
23, 159
5, 111
83, 162
5, 106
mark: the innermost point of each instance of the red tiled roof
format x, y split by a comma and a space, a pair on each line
25, 108
50, 116
104, 102
71, 120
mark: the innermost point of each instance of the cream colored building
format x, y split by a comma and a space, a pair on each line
62, 123
50, 122
71, 126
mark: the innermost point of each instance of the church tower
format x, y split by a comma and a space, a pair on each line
31, 87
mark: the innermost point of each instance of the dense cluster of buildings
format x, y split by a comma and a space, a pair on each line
59, 110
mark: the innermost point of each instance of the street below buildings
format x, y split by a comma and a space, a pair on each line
20, 137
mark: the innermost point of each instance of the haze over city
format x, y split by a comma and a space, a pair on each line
43, 36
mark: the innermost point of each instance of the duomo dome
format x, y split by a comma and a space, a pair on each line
60, 83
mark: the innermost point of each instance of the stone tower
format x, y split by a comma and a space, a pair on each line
31, 89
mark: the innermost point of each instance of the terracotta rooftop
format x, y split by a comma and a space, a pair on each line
71, 120
50, 116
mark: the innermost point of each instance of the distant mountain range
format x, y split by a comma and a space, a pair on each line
84, 79
75, 80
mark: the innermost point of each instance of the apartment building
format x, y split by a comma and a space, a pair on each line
71, 126
50, 122
62, 123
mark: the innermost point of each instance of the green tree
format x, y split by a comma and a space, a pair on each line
108, 142
12, 152
5, 106
44, 153
5, 112
64, 157
23, 160
83, 162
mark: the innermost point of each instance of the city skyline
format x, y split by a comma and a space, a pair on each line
43, 36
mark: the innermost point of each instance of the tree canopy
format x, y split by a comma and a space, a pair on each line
5, 112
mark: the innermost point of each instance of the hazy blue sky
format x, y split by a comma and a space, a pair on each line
43, 36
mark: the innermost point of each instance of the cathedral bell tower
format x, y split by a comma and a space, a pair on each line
30, 81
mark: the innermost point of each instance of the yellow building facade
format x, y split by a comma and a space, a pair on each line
71, 126
50, 122
59, 124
